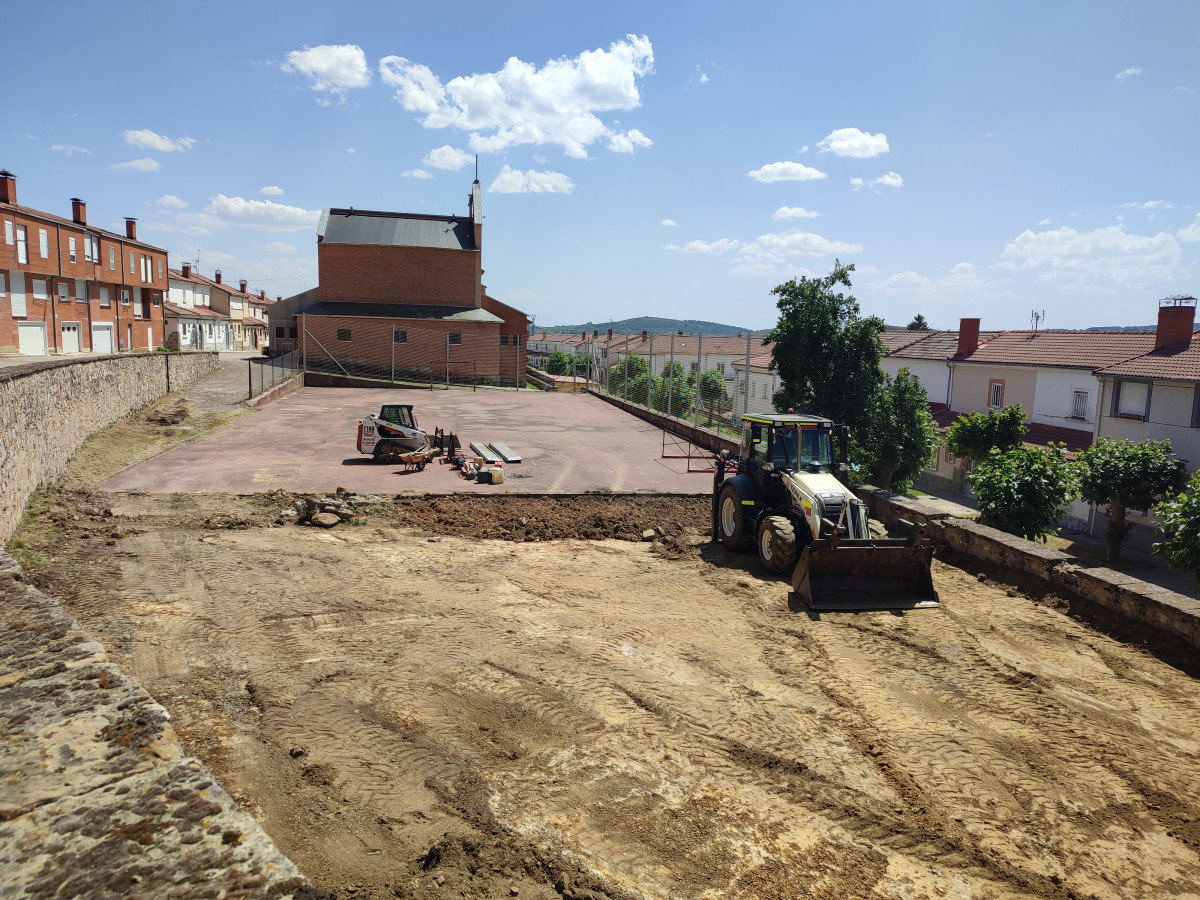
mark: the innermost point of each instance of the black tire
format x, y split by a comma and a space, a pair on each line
383, 451
731, 523
421, 466
777, 548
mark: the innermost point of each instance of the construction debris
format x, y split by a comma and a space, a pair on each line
329, 511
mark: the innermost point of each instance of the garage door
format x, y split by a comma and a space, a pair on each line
102, 340
72, 337
31, 337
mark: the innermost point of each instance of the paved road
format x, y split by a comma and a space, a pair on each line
570, 443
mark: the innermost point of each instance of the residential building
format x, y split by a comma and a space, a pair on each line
197, 312
69, 287
402, 295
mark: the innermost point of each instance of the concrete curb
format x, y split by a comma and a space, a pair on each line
293, 384
99, 798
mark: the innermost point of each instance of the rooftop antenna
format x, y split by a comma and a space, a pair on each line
1037, 317
476, 166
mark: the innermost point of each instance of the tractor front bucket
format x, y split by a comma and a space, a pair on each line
852, 574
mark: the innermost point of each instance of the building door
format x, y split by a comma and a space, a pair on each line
102, 339
72, 337
31, 338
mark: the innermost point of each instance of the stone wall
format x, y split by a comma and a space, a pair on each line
701, 437
1165, 622
99, 799
48, 410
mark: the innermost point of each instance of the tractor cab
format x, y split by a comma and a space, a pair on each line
786, 443
398, 414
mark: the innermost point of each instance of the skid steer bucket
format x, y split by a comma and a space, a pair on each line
866, 574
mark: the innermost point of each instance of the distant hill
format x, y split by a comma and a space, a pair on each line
1122, 328
652, 324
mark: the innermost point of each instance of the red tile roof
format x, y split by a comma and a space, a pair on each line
897, 339
1176, 364
1065, 349
937, 345
1076, 439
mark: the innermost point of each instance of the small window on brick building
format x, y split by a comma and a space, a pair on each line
455, 337
291, 332
504, 340
399, 337
105, 297
343, 334
71, 246
278, 331
516, 340
124, 297
112, 258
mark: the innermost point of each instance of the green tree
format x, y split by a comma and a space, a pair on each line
674, 380
558, 363
1024, 491
975, 435
1180, 528
918, 323
1128, 475
899, 436
711, 391
827, 355
627, 370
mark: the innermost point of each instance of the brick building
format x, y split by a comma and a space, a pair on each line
401, 296
69, 287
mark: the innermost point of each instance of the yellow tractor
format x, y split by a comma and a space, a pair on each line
785, 501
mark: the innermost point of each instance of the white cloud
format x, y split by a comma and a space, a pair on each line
26, 135
271, 190
1191, 232
804, 149
136, 165
853, 142
447, 157
350, 150
514, 181
68, 149
701, 76
145, 139
891, 179
1043, 222
331, 68
416, 173
856, 183
785, 171
716, 248
670, 223
280, 248
961, 281
523, 104
265, 214
170, 201
1100, 258
1128, 73
1149, 204
774, 254
795, 212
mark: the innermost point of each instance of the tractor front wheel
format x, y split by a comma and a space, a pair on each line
777, 545
731, 523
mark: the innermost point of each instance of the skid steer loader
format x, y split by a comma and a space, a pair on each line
785, 502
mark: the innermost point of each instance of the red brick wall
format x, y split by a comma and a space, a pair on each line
371, 344
516, 323
375, 274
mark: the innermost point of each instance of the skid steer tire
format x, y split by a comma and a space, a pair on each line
731, 524
383, 451
777, 549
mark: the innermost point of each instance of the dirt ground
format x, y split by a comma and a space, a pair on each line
525, 697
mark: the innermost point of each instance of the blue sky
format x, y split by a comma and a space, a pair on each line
669, 159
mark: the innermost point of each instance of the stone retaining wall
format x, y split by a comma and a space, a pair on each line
99, 799
1167, 621
47, 411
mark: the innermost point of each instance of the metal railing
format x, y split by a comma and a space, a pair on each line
265, 374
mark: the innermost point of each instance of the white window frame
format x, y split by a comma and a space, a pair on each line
44, 243
124, 296
3, 284
132, 263
112, 259
995, 394
81, 291
17, 296
22, 245
71, 249
8, 231
1079, 405
105, 297
42, 293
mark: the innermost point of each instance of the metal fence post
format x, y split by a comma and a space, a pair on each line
696, 411
250, 378
650, 374
746, 385
304, 341
393, 379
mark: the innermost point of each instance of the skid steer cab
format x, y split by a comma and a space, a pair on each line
393, 434
785, 502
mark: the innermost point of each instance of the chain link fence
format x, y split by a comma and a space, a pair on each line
265, 374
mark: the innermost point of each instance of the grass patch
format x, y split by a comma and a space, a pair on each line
31, 542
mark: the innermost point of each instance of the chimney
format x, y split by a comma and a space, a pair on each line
968, 337
8, 187
78, 211
217, 277
644, 334
262, 295
1176, 319
242, 285
610, 334
279, 298
131, 229
595, 333
187, 270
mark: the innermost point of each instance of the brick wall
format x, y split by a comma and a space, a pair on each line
371, 345
48, 410
375, 274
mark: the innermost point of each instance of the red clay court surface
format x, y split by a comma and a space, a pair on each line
570, 443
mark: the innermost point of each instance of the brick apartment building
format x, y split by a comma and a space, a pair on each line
403, 293
69, 287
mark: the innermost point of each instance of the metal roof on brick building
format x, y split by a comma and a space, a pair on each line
355, 226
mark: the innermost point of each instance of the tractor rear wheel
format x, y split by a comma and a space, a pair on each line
777, 545
730, 521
